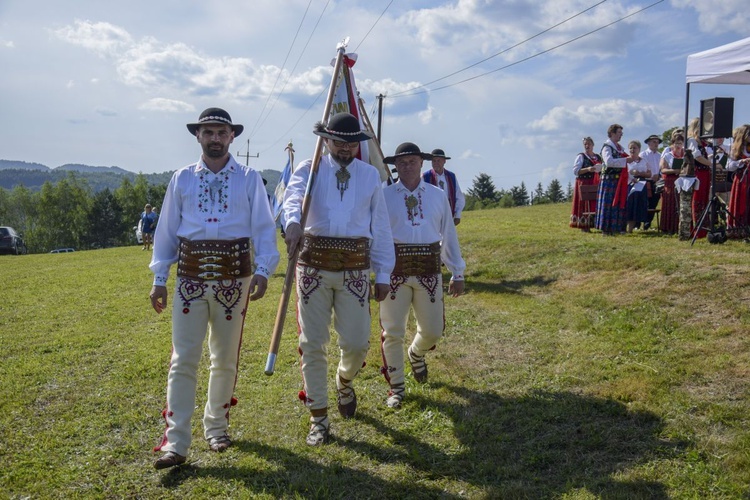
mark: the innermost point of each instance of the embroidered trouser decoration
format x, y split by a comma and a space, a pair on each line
429, 311
320, 293
220, 314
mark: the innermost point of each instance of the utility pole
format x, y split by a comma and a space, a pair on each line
380, 116
247, 154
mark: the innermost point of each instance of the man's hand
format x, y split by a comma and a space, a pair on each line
158, 298
381, 291
258, 286
292, 238
456, 221
455, 288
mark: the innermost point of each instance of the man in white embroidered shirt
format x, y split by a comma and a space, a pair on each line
346, 234
424, 234
217, 225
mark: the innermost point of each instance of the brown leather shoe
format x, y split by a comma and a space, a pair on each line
348, 409
418, 367
219, 444
169, 459
319, 431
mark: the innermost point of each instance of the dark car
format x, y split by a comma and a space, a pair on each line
11, 242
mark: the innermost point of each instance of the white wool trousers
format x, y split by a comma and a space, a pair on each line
323, 295
425, 295
200, 307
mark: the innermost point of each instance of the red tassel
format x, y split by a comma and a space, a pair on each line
302, 395
233, 402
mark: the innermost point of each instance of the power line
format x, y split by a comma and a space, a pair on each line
281, 70
403, 93
322, 91
295, 66
375, 23
502, 51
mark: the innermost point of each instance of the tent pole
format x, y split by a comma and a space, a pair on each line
687, 110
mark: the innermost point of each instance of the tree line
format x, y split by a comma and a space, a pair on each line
70, 213
483, 194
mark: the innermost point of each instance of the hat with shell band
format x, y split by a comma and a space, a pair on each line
215, 116
439, 153
407, 149
342, 127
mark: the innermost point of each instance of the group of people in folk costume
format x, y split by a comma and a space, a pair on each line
217, 226
631, 183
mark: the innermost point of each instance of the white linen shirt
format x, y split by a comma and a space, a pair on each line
609, 160
357, 213
201, 205
431, 221
652, 161
578, 164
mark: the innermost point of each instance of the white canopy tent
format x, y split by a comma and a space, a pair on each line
728, 64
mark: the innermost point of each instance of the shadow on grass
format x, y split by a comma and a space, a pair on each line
544, 444
294, 475
475, 285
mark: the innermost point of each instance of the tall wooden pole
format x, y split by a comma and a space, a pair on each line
286, 290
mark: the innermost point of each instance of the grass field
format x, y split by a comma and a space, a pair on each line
576, 366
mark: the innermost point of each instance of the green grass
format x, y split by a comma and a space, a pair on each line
576, 366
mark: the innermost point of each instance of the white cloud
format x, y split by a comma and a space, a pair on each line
724, 16
106, 112
102, 38
468, 154
8, 44
166, 105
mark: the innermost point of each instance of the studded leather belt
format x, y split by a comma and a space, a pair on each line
215, 259
417, 260
335, 254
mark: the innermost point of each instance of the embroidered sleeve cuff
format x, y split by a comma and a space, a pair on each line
457, 277
262, 271
160, 279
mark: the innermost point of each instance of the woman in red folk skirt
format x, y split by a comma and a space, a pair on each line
586, 168
738, 218
671, 165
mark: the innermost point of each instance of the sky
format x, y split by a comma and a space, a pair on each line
506, 88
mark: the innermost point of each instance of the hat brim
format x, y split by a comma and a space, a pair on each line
441, 156
652, 138
391, 160
236, 128
361, 136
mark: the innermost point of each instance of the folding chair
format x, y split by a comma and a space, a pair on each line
586, 194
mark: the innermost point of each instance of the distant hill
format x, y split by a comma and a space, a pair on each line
34, 175
21, 165
77, 167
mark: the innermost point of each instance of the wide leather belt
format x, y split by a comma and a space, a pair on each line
215, 259
417, 260
335, 254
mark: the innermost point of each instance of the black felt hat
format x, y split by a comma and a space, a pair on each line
215, 115
407, 149
439, 153
652, 137
342, 127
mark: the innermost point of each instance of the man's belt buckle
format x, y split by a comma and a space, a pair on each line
210, 267
210, 275
336, 259
414, 269
210, 258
